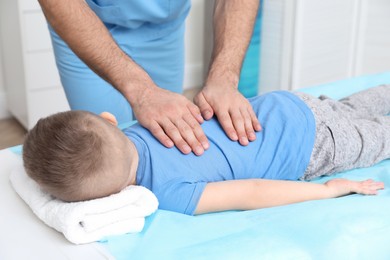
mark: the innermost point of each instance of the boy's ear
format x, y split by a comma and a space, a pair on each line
110, 118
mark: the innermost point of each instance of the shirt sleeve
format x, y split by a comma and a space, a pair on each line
182, 197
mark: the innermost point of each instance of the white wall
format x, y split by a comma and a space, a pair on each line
312, 42
198, 42
277, 34
3, 100
194, 38
323, 41
373, 38
2, 89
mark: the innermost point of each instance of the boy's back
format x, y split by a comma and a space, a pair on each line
281, 151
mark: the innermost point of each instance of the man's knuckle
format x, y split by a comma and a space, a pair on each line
224, 118
155, 129
194, 125
170, 129
239, 121
185, 129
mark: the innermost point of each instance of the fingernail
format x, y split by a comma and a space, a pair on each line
258, 127
207, 114
186, 149
199, 118
252, 136
234, 136
244, 141
205, 145
169, 143
198, 150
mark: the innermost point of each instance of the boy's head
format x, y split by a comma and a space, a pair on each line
77, 155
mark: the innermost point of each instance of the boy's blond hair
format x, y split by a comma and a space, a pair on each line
63, 153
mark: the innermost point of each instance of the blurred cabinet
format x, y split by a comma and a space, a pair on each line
311, 42
30, 75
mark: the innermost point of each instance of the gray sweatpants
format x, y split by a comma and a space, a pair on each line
351, 133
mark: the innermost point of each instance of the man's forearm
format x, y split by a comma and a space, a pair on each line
233, 26
170, 117
87, 36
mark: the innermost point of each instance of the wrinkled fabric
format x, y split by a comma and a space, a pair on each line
351, 227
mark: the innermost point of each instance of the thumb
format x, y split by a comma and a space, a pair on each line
204, 107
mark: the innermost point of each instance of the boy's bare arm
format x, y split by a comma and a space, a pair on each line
260, 193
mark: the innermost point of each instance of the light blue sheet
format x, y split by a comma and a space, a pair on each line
351, 227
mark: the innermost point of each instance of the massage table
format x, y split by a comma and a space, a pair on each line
23, 235
350, 227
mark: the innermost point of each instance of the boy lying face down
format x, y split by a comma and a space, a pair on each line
77, 155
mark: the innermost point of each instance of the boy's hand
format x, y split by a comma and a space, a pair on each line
341, 187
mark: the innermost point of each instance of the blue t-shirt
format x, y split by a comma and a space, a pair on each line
281, 151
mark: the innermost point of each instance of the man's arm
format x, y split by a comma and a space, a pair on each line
259, 193
170, 117
233, 26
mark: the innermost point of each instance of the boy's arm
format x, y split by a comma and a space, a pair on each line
260, 193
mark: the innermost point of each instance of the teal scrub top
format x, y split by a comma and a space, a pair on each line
151, 32
142, 20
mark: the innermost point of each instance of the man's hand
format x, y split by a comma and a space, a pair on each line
234, 112
172, 119
233, 26
341, 187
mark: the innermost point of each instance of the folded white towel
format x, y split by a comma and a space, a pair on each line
87, 221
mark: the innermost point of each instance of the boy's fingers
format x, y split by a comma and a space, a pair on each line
370, 187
